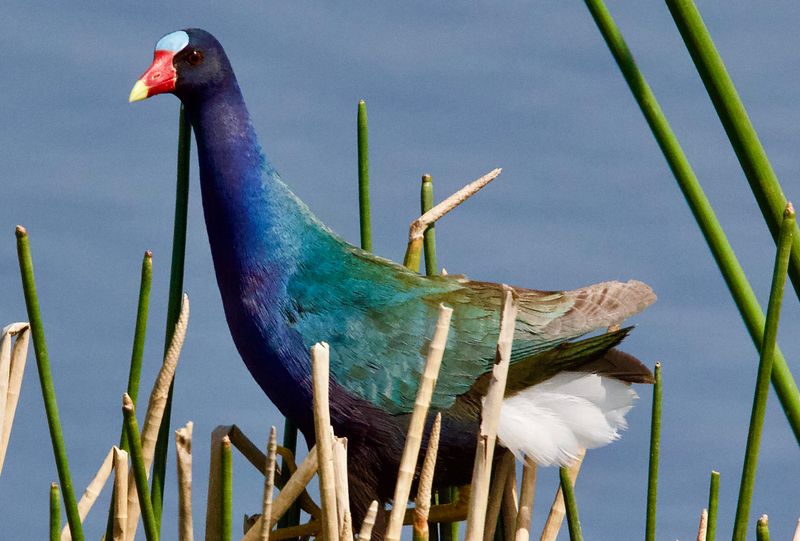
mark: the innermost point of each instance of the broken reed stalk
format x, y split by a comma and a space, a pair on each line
796, 536
14, 369
490, 417
46, 382
174, 304
139, 473
731, 111
713, 501
156, 407
183, 456
120, 519
731, 269
416, 425
571, 507
213, 512
655, 445
522, 529
92, 491
320, 359
135, 371
363, 177
269, 484
502, 468
416, 230
702, 529
557, 510
342, 489
365, 534
225, 494
762, 528
55, 512
510, 505
422, 504
429, 237
291, 490
764, 371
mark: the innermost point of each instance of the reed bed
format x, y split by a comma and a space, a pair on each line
494, 505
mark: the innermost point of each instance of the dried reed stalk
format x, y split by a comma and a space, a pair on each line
499, 478
365, 533
796, 536
416, 425
183, 454
214, 482
522, 530
269, 484
302, 531
347, 527
12, 368
155, 408
422, 504
701, 530
510, 505
320, 369
342, 488
490, 416
557, 511
417, 229
120, 521
286, 497
92, 491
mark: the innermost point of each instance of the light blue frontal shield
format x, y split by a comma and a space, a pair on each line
173, 42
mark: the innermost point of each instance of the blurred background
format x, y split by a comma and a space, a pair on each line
453, 90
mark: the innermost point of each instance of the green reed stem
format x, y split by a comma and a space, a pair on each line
762, 529
174, 303
713, 504
363, 178
429, 240
134, 375
731, 111
55, 513
139, 471
46, 382
723, 254
655, 447
764, 370
292, 516
571, 507
226, 491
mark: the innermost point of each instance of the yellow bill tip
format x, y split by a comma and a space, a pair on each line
139, 92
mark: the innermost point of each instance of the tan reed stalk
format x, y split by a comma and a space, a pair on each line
12, 376
347, 527
155, 409
417, 229
408, 462
557, 511
340, 477
365, 533
422, 504
286, 497
183, 455
701, 530
269, 484
510, 505
92, 491
302, 531
320, 371
502, 468
490, 417
120, 494
214, 482
796, 536
526, 496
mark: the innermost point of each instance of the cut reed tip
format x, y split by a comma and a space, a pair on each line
426, 177
148, 254
127, 403
789, 211
21, 231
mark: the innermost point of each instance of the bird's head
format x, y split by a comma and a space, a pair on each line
186, 63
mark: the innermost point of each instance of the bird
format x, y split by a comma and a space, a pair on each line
287, 282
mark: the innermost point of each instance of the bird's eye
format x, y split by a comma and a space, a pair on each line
195, 57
